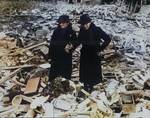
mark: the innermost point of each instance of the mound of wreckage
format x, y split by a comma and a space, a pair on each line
24, 87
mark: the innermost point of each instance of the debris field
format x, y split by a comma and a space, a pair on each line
24, 70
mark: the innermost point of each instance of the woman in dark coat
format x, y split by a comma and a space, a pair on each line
90, 61
60, 50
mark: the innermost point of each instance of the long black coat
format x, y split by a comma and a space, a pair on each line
90, 62
61, 64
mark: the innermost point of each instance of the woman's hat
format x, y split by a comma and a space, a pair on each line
84, 19
63, 19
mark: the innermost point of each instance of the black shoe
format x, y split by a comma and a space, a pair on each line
91, 89
86, 88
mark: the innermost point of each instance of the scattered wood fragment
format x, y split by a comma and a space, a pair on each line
25, 107
137, 94
128, 103
25, 61
21, 50
22, 66
3, 90
29, 99
16, 82
94, 100
82, 104
30, 113
43, 84
11, 75
5, 113
32, 86
147, 103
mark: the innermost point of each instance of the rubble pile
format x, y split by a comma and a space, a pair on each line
57, 87
25, 90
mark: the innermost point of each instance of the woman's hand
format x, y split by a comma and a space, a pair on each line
49, 60
99, 53
68, 47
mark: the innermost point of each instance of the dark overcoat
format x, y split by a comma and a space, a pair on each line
61, 64
90, 62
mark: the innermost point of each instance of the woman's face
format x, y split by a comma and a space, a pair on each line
86, 26
63, 25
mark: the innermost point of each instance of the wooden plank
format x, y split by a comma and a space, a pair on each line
83, 103
25, 107
20, 50
43, 84
32, 85
29, 99
22, 66
25, 61
89, 95
128, 104
95, 100
19, 83
128, 108
3, 90
11, 75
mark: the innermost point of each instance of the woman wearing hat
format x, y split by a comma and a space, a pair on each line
60, 50
90, 61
